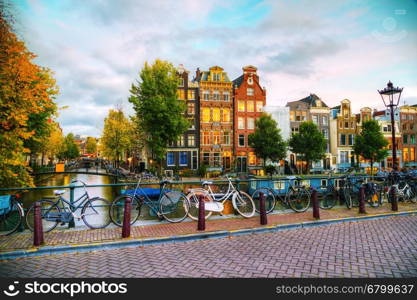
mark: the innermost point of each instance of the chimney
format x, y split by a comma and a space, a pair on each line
197, 73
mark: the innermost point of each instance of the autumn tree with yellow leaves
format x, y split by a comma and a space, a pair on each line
27, 93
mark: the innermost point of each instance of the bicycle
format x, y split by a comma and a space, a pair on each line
58, 210
172, 206
11, 214
297, 197
403, 191
214, 202
328, 198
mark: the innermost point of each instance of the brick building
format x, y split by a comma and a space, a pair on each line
249, 99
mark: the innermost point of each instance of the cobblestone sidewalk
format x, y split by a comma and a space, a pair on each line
61, 237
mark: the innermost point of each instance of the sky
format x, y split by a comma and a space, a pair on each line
334, 49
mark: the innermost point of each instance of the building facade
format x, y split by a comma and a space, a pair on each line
408, 127
311, 108
216, 119
184, 153
249, 98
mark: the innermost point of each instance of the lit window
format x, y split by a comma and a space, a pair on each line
250, 106
250, 91
251, 123
226, 115
181, 141
191, 94
206, 138
241, 105
191, 140
216, 137
241, 123
180, 94
206, 115
216, 114
252, 159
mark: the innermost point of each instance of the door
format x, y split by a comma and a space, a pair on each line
241, 164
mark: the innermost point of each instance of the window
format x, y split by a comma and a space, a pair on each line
205, 115
191, 122
346, 124
206, 138
181, 94
216, 114
325, 120
241, 105
340, 124
216, 76
300, 116
190, 108
343, 139
181, 141
226, 96
252, 159
259, 106
206, 158
241, 140
292, 115
350, 136
181, 81
250, 106
412, 139
241, 123
216, 137
183, 158
405, 139
226, 138
294, 130
191, 140
191, 94
325, 133
216, 95
251, 123
315, 119
344, 157
250, 92
206, 95
170, 159
194, 161
216, 159
405, 155
226, 115
412, 154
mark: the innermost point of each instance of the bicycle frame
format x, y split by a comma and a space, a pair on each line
71, 206
230, 191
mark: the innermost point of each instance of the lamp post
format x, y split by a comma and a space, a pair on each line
391, 98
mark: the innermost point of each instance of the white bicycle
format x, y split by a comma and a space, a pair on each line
214, 202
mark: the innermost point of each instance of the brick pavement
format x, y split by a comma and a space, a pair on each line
374, 248
62, 237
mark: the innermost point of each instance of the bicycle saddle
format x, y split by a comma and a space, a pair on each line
59, 192
207, 182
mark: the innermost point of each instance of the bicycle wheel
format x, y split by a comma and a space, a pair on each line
11, 219
174, 206
327, 201
50, 214
270, 200
243, 204
117, 209
193, 200
348, 199
299, 201
95, 213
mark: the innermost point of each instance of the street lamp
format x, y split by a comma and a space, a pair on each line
391, 97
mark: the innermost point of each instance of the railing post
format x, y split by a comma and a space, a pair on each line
316, 208
71, 223
262, 210
394, 202
37, 226
201, 213
362, 200
126, 218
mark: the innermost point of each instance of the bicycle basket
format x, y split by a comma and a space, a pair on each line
5, 204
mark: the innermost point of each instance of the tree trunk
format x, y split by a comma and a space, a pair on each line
372, 167
308, 167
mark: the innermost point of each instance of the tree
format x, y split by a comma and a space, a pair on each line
55, 144
91, 145
70, 149
26, 102
370, 143
267, 140
115, 139
160, 114
309, 143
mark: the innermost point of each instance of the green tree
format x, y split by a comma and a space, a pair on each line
309, 143
70, 148
91, 145
160, 114
267, 140
116, 136
370, 143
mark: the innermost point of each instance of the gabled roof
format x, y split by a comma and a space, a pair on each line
311, 101
238, 81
